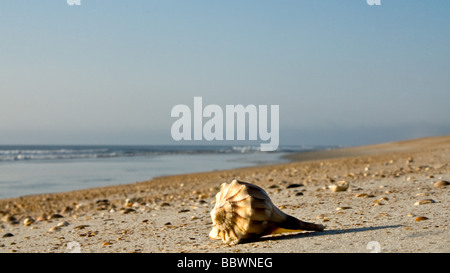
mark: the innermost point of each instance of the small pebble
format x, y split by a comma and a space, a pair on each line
290, 186
320, 216
202, 196
127, 210
6, 235
81, 227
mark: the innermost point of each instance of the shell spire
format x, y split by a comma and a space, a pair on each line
244, 211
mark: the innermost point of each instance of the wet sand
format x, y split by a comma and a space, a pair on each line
382, 210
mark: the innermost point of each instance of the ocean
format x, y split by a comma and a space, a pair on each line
28, 170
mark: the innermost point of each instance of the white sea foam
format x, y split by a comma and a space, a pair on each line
20, 153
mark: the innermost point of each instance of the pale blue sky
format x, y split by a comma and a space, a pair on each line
109, 72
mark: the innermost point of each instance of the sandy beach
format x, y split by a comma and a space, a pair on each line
397, 201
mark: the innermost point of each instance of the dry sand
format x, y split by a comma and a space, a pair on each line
171, 214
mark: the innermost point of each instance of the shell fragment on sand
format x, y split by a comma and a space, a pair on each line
424, 201
340, 186
441, 183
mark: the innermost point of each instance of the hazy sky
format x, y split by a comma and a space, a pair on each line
109, 72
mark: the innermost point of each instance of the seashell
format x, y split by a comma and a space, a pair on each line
9, 219
63, 224
28, 221
343, 208
55, 228
341, 186
424, 201
42, 217
55, 216
365, 195
132, 202
81, 227
244, 211
421, 218
441, 183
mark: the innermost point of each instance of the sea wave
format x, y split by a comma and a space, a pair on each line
24, 153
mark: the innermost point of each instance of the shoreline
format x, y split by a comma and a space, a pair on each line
307, 156
405, 146
171, 213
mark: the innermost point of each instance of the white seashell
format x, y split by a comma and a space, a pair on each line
341, 186
244, 211
28, 221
